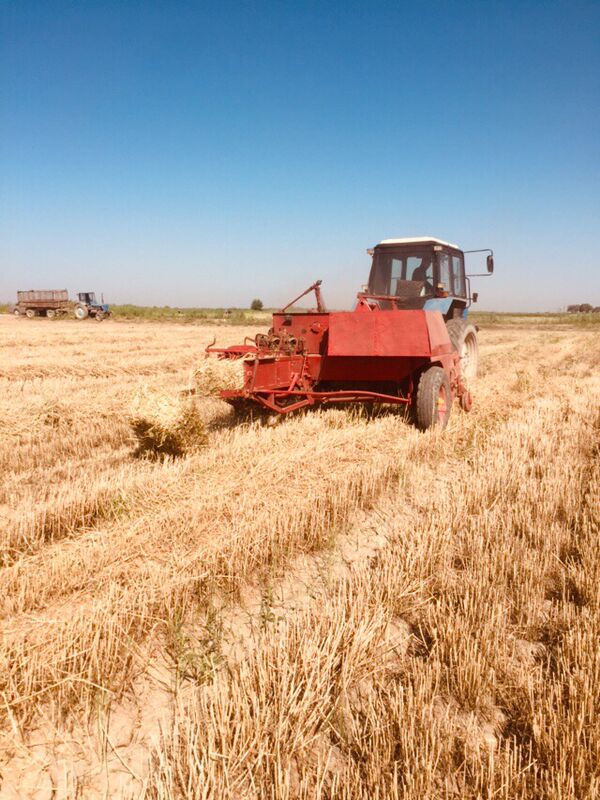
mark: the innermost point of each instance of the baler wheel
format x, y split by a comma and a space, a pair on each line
434, 399
463, 336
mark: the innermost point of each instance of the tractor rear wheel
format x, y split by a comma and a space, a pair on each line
463, 335
81, 312
434, 399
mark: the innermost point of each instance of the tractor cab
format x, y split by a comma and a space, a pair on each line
420, 273
89, 298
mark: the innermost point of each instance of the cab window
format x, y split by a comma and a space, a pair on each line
391, 272
395, 275
444, 274
458, 275
419, 268
411, 268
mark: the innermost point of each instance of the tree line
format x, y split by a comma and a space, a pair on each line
584, 308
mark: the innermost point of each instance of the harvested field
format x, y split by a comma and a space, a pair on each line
336, 607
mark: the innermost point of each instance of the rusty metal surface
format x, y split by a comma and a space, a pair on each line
43, 296
272, 400
439, 340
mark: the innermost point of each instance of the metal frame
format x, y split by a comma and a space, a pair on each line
316, 288
479, 274
309, 398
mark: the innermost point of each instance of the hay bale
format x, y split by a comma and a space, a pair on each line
164, 425
215, 374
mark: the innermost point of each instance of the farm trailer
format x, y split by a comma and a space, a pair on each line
48, 303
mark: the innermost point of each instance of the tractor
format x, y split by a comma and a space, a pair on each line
408, 341
87, 306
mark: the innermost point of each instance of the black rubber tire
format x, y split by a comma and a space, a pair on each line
16, 312
50, 313
30, 313
427, 412
81, 312
463, 335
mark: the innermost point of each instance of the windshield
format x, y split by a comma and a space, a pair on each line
402, 273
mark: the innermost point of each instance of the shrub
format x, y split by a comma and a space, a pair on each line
256, 305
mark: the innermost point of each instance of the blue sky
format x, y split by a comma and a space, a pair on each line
207, 153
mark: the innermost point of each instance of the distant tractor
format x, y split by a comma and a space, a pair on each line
408, 340
88, 306
53, 303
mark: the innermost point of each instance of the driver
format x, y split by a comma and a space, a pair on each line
420, 274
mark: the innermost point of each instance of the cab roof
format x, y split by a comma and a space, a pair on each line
419, 240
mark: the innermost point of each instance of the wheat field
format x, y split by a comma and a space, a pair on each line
338, 606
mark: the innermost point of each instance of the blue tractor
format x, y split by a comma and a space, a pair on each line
88, 306
428, 273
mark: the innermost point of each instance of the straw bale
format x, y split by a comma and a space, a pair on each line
164, 425
215, 374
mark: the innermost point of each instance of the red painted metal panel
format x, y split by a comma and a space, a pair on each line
272, 373
392, 334
362, 368
438, 333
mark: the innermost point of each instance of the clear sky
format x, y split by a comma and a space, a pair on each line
179, 153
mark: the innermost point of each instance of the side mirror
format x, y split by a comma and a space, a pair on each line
475, 297
490, 264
